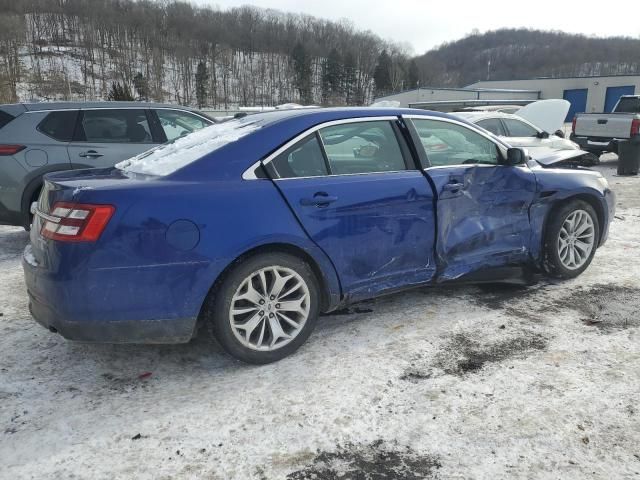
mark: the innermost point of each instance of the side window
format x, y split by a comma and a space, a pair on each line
451, 144
519, 129
494, 125
304, 159
5, 118
363, 147
115, 126
176, 123
59, 125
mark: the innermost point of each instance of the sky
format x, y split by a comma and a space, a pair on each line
424, 24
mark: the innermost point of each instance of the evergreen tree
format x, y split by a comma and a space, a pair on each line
332, 75
382, 73
349, 78
302, 69
120, 93
141, 86
202, 84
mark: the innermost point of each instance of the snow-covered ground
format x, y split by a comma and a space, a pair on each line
454, 382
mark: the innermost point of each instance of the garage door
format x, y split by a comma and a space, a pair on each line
578, 100
614, 94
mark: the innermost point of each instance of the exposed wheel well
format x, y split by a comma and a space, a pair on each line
590, 199
30, 194
271, 248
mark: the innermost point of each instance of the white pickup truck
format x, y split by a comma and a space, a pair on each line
600, 132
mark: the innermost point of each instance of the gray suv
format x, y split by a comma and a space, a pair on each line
38, 138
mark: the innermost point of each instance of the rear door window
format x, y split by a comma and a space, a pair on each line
114, 126
176, 123
303, 159
59, 125
362, 147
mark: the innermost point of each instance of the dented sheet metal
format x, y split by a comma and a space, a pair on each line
483, 217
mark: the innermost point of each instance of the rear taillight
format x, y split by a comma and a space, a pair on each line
10, 149
635, 127
573, 125
76, 222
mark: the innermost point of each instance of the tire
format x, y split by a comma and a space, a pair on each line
236, 302
564, 250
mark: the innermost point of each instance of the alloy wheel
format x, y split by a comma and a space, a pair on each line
269, 308
576, 239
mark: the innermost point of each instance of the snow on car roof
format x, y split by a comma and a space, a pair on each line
170, 157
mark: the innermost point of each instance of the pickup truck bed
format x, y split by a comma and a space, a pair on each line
600, 132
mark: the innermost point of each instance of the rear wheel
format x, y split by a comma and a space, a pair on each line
265, 308
571, 239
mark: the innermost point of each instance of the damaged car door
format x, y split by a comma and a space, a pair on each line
482, 203
356, 191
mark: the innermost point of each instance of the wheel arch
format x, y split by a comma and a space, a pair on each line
585, 197
328, 297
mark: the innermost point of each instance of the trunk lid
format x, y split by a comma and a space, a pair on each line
72, 187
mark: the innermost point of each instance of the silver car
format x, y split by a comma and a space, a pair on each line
38, 138
518, 132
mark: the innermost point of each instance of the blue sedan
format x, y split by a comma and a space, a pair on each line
255, 226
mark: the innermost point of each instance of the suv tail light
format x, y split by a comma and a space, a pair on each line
573, 125
635, 127
6, 150
76, 222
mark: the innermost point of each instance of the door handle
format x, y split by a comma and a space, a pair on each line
451, 187
320, 199
90, 154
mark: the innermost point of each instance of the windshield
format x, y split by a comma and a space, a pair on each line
171, 156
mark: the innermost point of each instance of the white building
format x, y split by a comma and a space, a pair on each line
586, 94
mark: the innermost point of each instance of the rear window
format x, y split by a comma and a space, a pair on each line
5, 118
628, 105
172, 156
59, 125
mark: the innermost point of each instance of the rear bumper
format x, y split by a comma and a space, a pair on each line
596, 145
47, 293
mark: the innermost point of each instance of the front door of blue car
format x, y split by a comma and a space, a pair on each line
356, 191
482, 204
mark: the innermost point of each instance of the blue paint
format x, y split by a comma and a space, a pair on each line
614, 94
578, 99
183, 235
170, 239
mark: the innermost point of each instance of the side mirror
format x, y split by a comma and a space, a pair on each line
543, 135
516, 156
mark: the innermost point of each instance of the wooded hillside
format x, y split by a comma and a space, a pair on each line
171, 51
510, 54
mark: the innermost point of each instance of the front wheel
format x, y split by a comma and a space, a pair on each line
265, 308
571, 239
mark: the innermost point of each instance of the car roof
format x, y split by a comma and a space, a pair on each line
45, 106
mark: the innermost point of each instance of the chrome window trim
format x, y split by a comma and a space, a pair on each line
345, 175
250, 173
